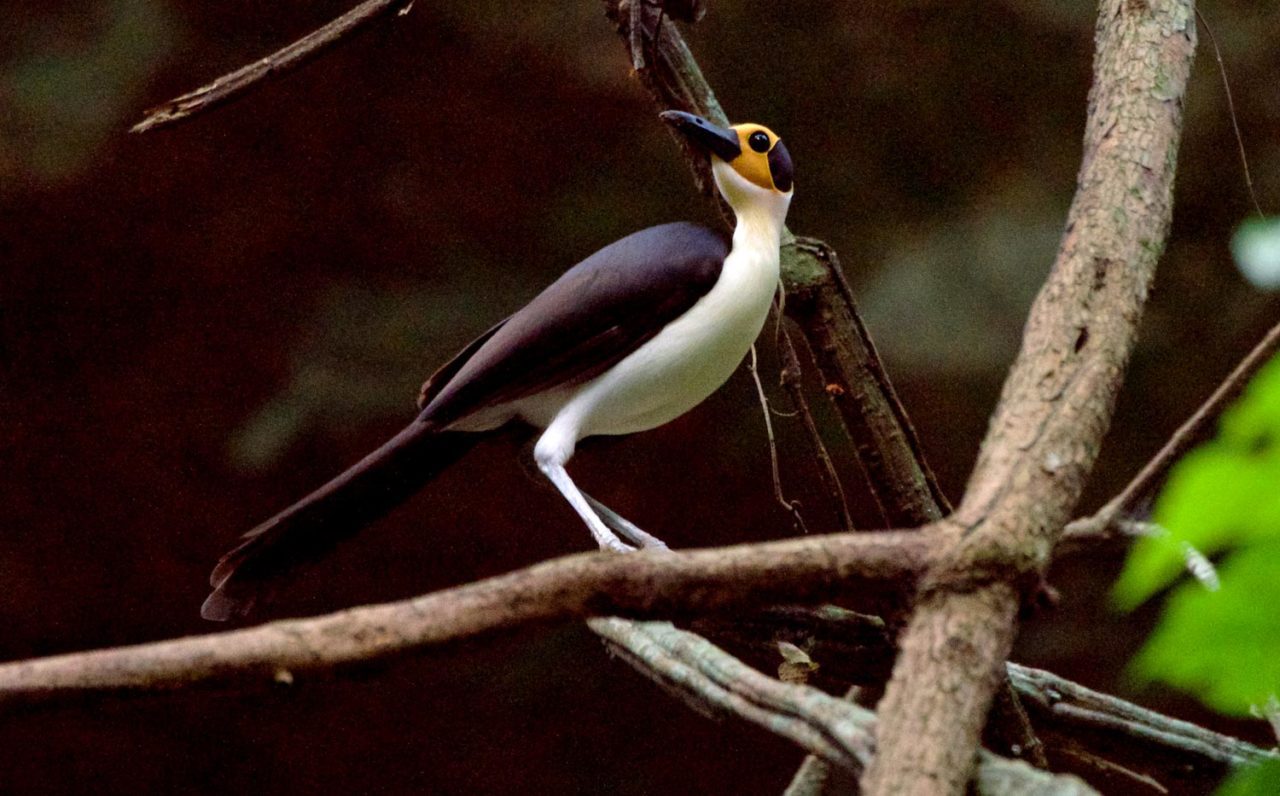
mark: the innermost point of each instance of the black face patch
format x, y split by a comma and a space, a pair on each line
780, 167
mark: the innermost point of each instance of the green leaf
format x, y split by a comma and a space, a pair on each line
1220, 640
1223, 646
1221, 495
1261, 780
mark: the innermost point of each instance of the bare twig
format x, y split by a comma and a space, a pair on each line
1107, 522
792, 507
790, 380
235, 84
821, 303
1231, 111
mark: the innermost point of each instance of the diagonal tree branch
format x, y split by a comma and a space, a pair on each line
236, 84
819, 300
1055, 407
1114, 744
1104, 523
838, 731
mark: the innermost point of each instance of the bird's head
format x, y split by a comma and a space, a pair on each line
751, 165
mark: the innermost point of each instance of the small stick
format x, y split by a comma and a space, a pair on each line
1102, 525
792, 506
235, 84
790, 380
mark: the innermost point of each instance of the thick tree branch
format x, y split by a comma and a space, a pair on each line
592, 584
236, 84
1055, 407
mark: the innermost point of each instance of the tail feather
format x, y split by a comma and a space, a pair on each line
314, 525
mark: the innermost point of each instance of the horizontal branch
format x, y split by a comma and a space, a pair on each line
642, 584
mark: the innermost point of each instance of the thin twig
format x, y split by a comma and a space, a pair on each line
791, 506
790, 380
1231, 111
235, 84
1106, 522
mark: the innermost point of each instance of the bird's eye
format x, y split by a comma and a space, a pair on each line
759, 141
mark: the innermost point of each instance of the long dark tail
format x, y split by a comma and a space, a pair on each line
314, 525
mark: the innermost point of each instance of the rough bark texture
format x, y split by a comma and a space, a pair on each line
1054, 409
820, 302
838, 731
1116, 745
591, 584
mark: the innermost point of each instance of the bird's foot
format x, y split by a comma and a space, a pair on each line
625, 528
612, 544
647, 542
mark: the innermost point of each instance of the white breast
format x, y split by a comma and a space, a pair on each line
684, 363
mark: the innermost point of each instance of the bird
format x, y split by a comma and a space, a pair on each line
629, 339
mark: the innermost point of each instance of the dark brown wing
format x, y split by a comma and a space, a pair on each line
601, 310
448, 370
598, 312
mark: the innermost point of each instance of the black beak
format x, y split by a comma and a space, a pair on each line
720, 142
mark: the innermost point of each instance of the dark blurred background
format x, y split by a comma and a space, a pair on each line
198, 325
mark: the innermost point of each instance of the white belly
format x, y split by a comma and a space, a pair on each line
676, 370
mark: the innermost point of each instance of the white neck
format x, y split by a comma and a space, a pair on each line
757, 227
760, 213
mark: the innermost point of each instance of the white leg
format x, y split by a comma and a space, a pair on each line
625, 526
552, 451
